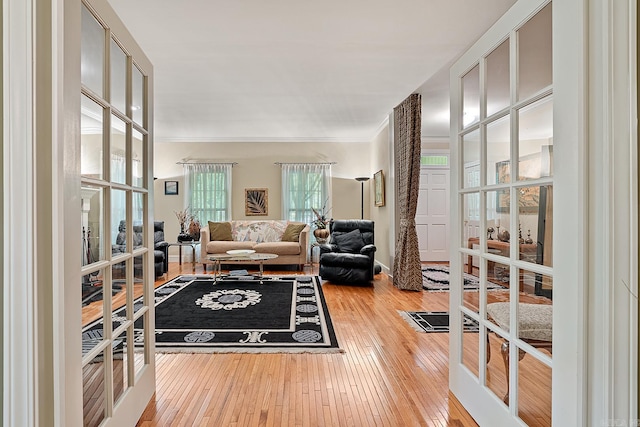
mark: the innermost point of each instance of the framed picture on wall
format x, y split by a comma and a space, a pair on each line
256, 201
378, 188
171, 188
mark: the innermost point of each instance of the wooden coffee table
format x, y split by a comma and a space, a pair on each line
254, 258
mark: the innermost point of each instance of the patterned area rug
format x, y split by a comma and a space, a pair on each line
435, 278
435, 321
194, 314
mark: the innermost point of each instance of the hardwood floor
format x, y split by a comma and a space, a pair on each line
389, 374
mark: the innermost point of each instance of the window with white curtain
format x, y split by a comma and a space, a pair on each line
305, 186
208, 191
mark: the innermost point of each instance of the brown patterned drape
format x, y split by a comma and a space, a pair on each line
407, 272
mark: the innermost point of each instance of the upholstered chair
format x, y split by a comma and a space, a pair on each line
349, 256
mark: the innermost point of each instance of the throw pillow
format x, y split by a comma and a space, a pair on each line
219, 231
350, 242
292, 232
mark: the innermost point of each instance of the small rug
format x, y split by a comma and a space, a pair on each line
195, 314
435, 278
435, 321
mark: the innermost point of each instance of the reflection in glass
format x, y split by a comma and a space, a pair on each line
91, 121
92, 310
471, 159
535, 214
92, 53
496, 379
140, 343
93, 392
498, 79
471, 97
118, 77
535, 140
540, 285
534, 391
471, 218
138, 210
120, 366
119, 294
118, 220
92, 224
138, 285
498, 151
535, 54
498, 273
137, 144
137, 106
470, 349
471, 277
118, 151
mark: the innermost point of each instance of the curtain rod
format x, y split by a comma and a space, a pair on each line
304, 163
195, 162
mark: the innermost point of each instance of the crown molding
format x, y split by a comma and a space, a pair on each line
161, 140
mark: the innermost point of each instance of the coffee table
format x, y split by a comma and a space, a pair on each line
254, 258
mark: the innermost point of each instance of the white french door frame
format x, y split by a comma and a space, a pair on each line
569, 392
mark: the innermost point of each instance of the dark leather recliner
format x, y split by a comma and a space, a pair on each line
349, 257
160, 247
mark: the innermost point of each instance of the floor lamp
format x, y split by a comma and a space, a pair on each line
362, 179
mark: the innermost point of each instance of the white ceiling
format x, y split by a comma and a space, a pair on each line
297, 70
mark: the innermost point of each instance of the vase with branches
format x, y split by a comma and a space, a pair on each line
321, 222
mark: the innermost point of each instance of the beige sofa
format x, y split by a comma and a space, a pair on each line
263, 236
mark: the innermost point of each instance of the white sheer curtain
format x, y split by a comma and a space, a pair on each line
118, 197
305, 186
208, 191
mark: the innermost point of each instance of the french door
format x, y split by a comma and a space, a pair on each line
116, 228
502, 216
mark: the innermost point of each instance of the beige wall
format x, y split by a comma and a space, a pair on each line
380, 147
256, 169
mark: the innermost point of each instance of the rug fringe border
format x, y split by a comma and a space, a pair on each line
410, 321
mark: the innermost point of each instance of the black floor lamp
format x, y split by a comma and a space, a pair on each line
362, 179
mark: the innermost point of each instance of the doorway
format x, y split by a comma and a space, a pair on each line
432, 214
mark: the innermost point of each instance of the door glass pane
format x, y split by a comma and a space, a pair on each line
137, 155
118, 77
535, 215
470, 346
141, 343
118, 151
498, 151
471, 97
137, 106
120, 366
534, 391
138, 213
471, 159
91, 140
92, 310
92, 224
496, 375
498, 79
119, 294
118, 221
138, 286
92, 53
471, 219
535, 140
93, 392
535, 54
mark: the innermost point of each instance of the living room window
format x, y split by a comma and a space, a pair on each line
208, 190
305, 186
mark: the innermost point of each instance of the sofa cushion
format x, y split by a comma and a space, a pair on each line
220, 231
222, 246
292, 232
350, 242
258, 231
278, 248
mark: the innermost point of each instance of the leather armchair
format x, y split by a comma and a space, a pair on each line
349, 257
160, 248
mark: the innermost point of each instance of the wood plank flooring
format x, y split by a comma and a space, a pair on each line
389, 374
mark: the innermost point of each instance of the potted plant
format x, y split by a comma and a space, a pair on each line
183, 218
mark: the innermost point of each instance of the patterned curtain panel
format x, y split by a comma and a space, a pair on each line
407, 121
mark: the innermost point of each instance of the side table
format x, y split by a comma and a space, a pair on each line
192, 244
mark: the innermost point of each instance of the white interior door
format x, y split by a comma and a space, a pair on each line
432, 214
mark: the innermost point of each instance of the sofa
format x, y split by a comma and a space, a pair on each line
287, 239
160, 248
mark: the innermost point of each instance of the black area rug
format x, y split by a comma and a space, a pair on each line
435, 278
435, 321
280, 315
